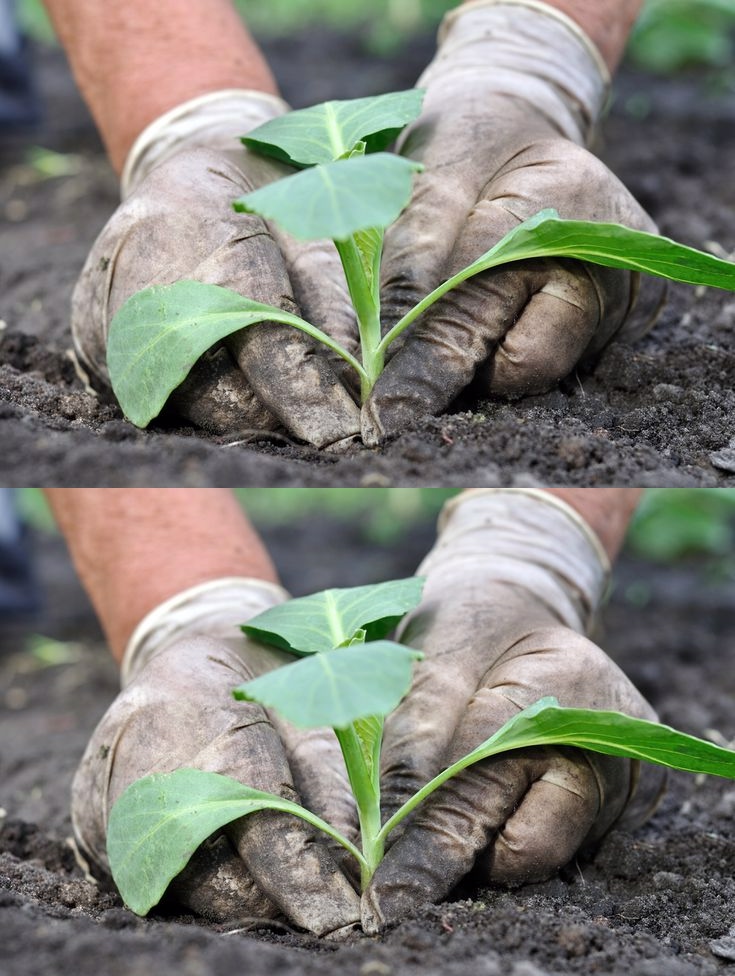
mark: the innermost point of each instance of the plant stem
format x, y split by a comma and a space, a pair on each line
365, 295
366, 790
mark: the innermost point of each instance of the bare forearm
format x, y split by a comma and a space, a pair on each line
607, 511
608, 23
135, 60
135, 548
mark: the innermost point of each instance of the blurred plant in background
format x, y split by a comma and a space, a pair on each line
672, 35
676, 523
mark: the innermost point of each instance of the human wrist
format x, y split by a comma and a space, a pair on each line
525, 50
608, 25
135, 61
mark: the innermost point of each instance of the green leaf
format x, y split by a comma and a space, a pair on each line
336, 687
336, 200
326, 132
328, 619
612, 733
160, 333
160, 821
612, 245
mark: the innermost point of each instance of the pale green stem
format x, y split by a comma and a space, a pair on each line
367, 308
367, 798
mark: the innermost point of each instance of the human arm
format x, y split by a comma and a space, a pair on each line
172, 86
512, 98
513, 584
172, 573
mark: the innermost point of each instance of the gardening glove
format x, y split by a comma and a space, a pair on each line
512, 584
511, 99
176, 222
176, 710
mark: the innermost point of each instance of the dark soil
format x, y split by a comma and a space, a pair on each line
659, 902
658, 413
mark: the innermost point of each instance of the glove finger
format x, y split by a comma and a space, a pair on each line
296, 871
320, 775
548, 827
321, 292
296, 383
321, 780
217, 885
574, 309
216, 397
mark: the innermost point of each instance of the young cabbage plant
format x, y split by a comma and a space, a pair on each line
347, 675
348, 189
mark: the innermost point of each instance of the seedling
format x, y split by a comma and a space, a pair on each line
348, 189
348, 676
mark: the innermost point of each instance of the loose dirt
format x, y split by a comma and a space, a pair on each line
654, 902
657, 413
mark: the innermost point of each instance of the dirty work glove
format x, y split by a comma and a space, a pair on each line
176, 710
512, 583
176, 222
511, 99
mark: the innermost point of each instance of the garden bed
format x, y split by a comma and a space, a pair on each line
657, 413
657, 901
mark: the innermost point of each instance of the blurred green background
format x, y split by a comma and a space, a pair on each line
671, 523
671, 35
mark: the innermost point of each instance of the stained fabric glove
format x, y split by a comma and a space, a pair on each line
511, 99
176, 222
512, 583
176, 710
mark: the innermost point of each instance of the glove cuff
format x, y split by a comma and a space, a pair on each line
214, 120
530, 539
528, 50
212, 609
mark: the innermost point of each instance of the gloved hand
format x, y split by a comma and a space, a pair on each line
176, 710
511, 99
177, 222
512, 583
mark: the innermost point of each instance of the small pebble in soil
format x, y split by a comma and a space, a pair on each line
724, 460
724, 948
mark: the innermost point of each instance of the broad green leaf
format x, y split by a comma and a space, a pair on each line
332, 618
160, 821
545, 723
612, 733
160, 333
323, 133
336, 687
336, 200
612, 245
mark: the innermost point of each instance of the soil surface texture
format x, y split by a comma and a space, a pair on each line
657, 413
657, 901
